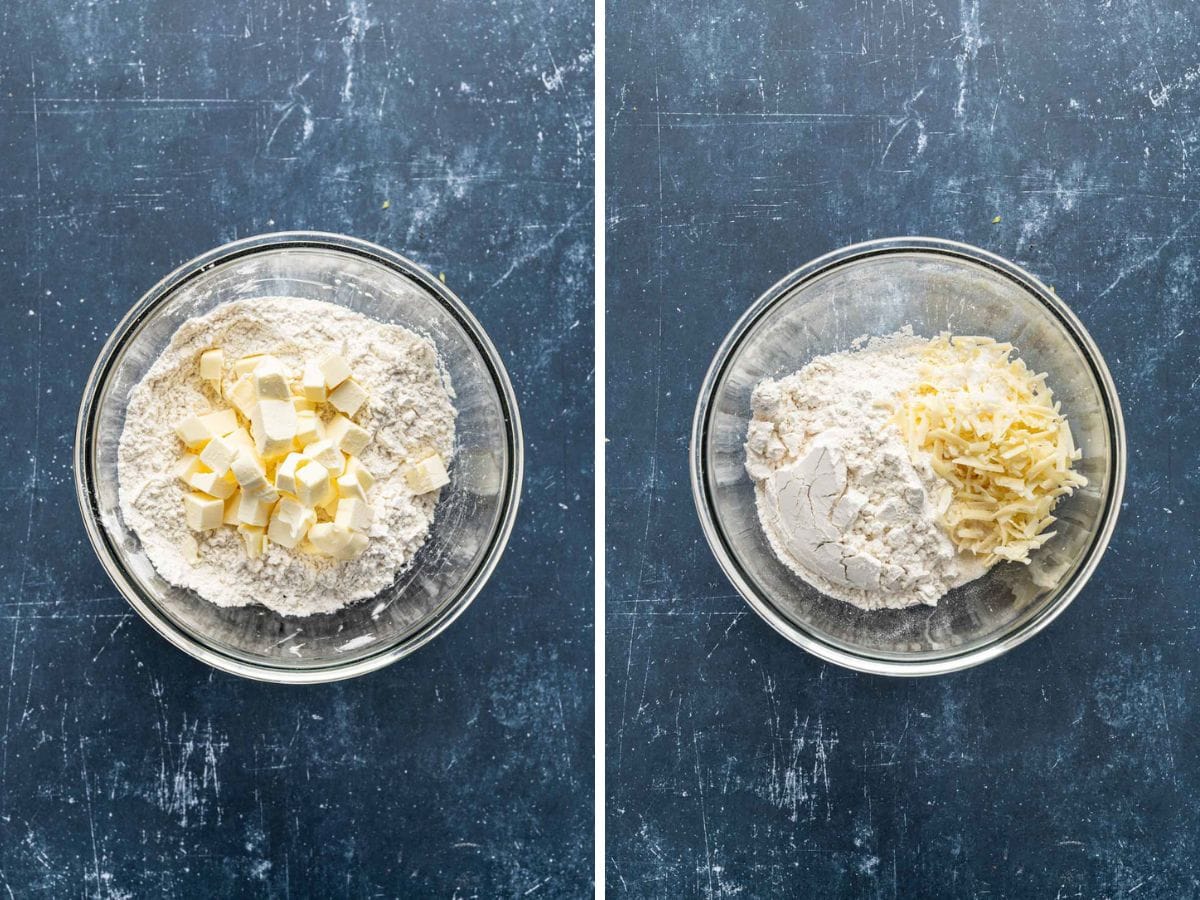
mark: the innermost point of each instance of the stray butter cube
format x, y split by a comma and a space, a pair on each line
346, 436
242, 396
312, 483
309, 428
285, 475
270, 380
190, 549
219, 486
255, 538
202, 513
290, 522
219, 453
348, 396
254, 510
333, 540
312, 383
212, 363
427, 475
327, 454
187, 467
353, 514
333, 369
273, 426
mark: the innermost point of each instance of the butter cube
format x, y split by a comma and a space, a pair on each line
219, 486
255, 537
230, 516
427, 475
250, 475
333, 369
247, 364
242, 440
190, 549
273, 426
312, 483
355, 467
219, 453
328, 455
290, 522
348, 396
309, 428
312, 383
255, 510
221, 422
270, 380
187, 467
353, 514
212, 364
328, 538
346, 436
242, 396
285, 475
202, 513
350, 486
302, 405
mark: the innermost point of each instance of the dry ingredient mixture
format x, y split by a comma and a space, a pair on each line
890, 474
286, 452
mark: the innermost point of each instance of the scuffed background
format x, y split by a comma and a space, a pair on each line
135, 135
745, 138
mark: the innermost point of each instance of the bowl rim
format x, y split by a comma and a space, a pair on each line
85, 475
705, 508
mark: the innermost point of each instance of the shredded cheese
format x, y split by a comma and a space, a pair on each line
991, 428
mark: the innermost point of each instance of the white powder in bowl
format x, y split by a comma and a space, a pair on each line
409, 412
842, 502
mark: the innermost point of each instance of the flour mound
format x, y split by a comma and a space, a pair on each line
840, 499
409, 412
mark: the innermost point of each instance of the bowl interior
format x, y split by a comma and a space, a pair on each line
469, 514
877, 295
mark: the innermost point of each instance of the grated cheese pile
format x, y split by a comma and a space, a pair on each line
991, 428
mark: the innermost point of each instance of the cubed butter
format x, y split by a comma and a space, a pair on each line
427, 475
187, 467
273, 426
312, 483
309, 428
221, 422
255, 537
302, 405
212, 364
348, 397
241, 395
353, 514
247, 364
348, 486
232, 502
250, 475
271, 380
202, 513
193, 433
333, 369
351, 439
327, 454
254, 510
219, 486
242, 440
219, 453
190, 549
328, 538
285, 475
290, 522
312, 383
355, 467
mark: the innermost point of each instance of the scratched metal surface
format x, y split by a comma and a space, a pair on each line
747, 138
136, 135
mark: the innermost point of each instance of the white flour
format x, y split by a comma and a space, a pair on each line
409, 412
839, 497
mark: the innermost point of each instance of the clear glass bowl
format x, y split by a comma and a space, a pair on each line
474, 514
874, 289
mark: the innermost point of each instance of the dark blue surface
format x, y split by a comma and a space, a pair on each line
747, 138
135, 135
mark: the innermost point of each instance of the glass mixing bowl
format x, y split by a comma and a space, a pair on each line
474, 515
875, 289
